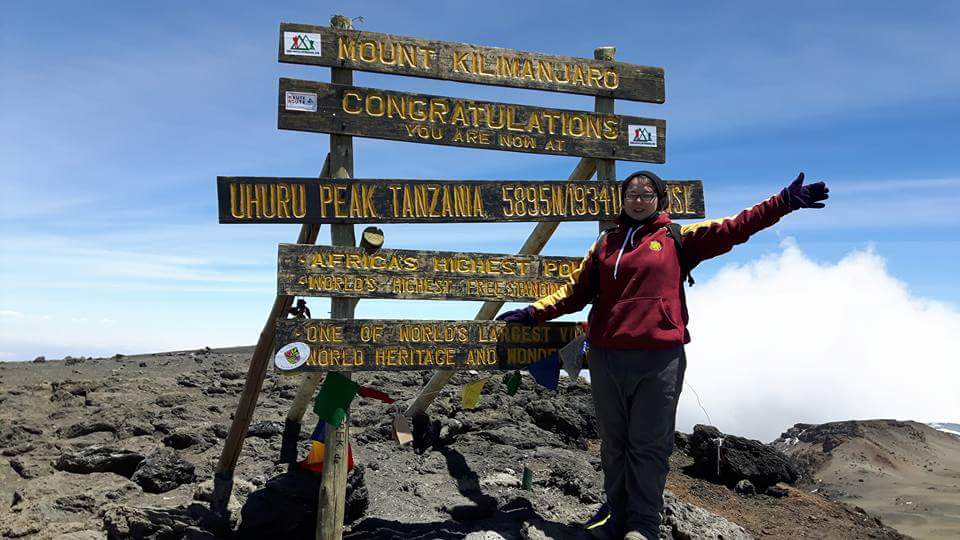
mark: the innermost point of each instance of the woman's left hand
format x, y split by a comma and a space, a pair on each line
798, 195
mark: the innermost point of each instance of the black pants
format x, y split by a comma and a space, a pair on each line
635, 394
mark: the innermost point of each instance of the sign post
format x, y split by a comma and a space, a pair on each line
333, 488
346, 273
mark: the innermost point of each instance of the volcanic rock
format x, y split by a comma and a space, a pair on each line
740, 459
100, 459
162, 471
265, 430
686, 521
744, 487
126, 522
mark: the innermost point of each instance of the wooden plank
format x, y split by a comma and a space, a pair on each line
395, 345
375, 200
343, 272
421, 118
451, 61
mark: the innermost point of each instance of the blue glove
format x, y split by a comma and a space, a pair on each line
518, 316
798, 195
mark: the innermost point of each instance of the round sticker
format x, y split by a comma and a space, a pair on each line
292, 356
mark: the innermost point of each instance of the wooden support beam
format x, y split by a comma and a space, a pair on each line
533, 245
223, 476
333, 489
606, 168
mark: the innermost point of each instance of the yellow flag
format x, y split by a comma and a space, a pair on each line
471, 393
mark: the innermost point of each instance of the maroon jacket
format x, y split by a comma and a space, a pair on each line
640, 302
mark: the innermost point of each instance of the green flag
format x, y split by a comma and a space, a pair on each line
512, 380
333, 400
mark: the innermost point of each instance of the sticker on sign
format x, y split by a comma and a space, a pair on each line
292, 356
642, 136
301, 101
301, 44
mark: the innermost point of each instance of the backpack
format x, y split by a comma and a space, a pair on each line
673, 230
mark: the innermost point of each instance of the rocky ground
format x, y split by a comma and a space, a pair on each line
125, 448
907, 472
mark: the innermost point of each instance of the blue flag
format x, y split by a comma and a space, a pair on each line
547, 371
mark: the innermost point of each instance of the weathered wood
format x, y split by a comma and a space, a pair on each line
402, 116
223, 476
393, 345
306, 270
606, 168
415, 57
534, 244
332, 502
292, 200
374, 200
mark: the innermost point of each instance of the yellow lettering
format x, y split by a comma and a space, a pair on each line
346, 97
347, 49
236, 201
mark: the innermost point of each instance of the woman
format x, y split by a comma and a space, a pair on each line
637, 330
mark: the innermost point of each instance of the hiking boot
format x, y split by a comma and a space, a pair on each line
607, 531
634, 535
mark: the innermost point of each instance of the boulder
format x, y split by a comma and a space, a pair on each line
126, 522
573, 420
183, 438
684, 520
265, 430
744, 487
172, 399
100, 459
17, 434
740, 459
87, 427
162, 471
76, 503
777, 491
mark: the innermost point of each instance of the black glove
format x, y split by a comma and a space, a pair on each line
798, 195
518, 316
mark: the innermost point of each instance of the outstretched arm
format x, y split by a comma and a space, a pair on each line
570, 298
707, 239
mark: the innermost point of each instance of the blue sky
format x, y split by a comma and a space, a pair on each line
116, 118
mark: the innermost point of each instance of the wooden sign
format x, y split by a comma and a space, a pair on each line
451, 61
393, 345
401, 116
312, 200
309, 270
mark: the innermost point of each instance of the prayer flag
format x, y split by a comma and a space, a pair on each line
471, 393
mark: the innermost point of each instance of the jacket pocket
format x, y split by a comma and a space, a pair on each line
639, 319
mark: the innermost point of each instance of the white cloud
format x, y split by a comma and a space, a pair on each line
786, 339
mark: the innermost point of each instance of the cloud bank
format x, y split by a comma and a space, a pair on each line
787, 339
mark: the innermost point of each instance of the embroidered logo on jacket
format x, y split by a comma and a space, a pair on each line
655, 246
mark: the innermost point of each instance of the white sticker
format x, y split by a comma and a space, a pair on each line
642, 136
301, 101
292, 356
301, 44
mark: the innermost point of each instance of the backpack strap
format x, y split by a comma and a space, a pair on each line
673, 229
